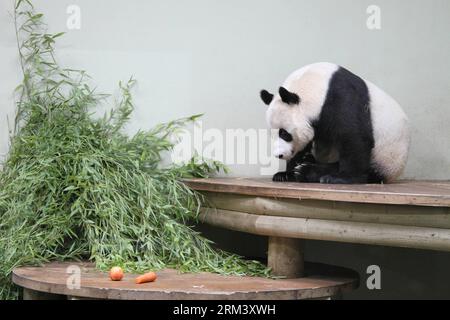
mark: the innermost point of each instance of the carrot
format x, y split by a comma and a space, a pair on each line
147, 277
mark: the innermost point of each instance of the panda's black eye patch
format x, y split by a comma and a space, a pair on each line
286, 136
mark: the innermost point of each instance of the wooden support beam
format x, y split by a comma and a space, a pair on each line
435, 217
331, 230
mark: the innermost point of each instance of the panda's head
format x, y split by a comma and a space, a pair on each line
292, 127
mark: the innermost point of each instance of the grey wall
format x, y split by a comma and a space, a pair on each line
214, 56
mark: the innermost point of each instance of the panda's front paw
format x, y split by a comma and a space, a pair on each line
281, 177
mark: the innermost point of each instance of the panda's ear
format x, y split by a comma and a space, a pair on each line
266, 96
288, 97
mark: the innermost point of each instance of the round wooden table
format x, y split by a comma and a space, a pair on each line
81, 280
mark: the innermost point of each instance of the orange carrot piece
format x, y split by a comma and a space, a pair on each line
147, 277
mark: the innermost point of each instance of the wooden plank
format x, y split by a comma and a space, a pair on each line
419, 216
341, 231
320, 281
419, 193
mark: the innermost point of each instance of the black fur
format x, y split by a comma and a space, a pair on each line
345, 124
302, 157
286, 136
266, 96
288, 97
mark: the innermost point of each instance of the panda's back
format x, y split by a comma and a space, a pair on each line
389, 124
311, 83
391, 134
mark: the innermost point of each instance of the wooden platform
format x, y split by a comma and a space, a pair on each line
50, 282
417, 193
409, 214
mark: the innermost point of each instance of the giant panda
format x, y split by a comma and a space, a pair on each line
335, 127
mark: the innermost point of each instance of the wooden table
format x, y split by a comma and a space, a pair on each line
51, 282
412, 214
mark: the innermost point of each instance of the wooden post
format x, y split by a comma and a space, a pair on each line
285, 257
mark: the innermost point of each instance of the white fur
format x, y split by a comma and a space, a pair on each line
310, 83
391, 134
283, 149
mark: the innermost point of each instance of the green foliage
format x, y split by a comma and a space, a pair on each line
77, 187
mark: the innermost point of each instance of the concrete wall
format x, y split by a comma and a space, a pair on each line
213, 57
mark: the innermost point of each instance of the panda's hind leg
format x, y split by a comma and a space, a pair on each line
354, 162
